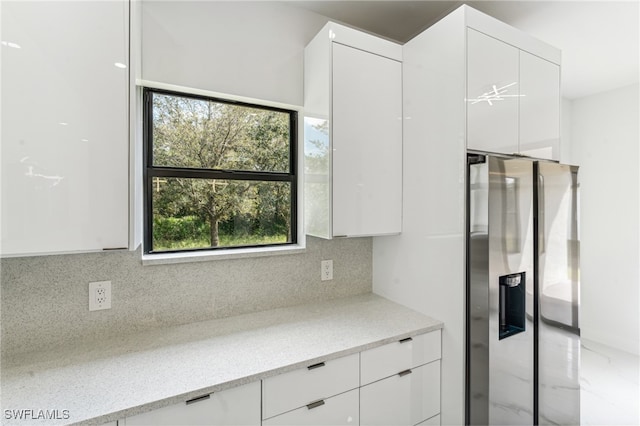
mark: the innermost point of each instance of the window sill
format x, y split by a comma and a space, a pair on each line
189, 257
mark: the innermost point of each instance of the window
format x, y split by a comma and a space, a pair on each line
218, 173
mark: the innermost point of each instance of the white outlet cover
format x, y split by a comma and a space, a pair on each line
99, 295
326, 270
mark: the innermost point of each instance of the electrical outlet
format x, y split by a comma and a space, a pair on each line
99, 295
326, 270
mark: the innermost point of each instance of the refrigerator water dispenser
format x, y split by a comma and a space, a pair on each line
512, 313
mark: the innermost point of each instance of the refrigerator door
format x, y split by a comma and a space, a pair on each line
559, 295
477, 345
500, 292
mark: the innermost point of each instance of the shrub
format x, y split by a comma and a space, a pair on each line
179, 228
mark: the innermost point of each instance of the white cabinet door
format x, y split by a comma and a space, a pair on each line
492, 94
65, 155
367, 143
342, 409
539, 107
402, 399
236, 406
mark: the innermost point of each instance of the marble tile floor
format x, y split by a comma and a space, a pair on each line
609, 382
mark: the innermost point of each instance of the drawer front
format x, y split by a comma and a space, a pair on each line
341, 409
390, 359
300, 387
236, 406
402, 399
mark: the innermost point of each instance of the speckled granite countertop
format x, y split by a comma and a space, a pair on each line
99, 382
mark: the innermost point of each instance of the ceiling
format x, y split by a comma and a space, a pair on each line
599, 39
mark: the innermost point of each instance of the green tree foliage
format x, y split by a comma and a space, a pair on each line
200, 134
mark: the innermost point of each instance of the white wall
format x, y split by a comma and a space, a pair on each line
604, 143
565, 131
252, 49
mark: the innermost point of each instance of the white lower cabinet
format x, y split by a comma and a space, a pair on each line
236, 406
394, 384
407, 398
341, 410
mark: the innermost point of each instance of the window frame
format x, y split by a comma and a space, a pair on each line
150, 171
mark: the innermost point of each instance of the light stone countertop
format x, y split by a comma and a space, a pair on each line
99, 382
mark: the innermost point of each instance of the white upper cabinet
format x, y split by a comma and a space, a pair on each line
65, 137
539, 107
492, 94
367, 143
353, 134
513, 99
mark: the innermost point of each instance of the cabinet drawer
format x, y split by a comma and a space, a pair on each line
402, 400
390, 359
300, 387
341, 409
236, 406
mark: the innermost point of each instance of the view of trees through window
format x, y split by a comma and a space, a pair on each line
218, 174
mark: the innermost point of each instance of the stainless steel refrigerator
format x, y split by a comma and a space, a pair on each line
523, 335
